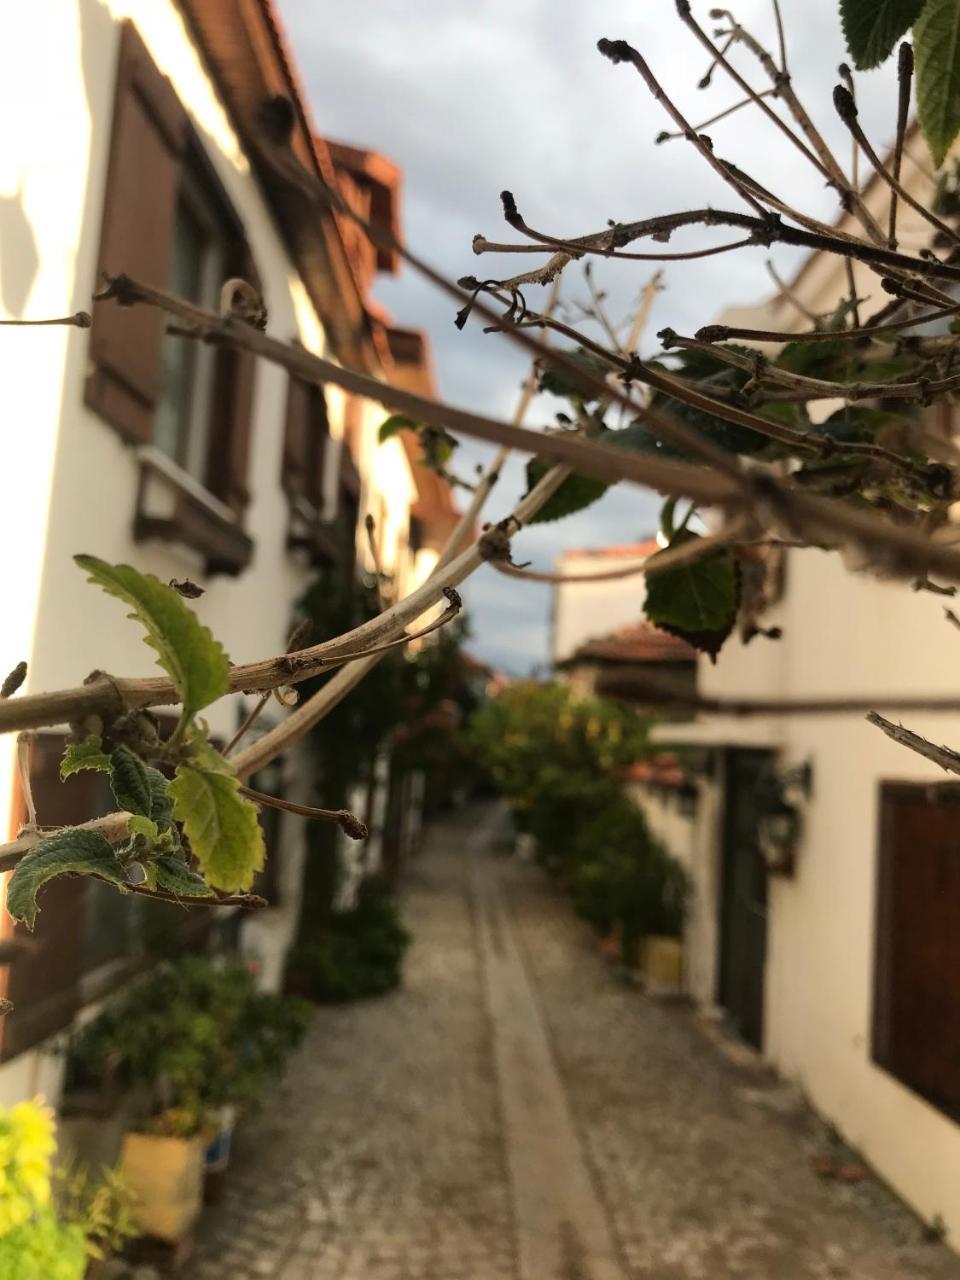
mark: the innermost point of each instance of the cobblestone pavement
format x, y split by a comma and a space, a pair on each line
383, 1156
704, 1175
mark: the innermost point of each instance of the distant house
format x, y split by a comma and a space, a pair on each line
625, 664
584, 610
142, 153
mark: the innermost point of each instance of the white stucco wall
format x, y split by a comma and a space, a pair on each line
585, 610
845, 635
75, 481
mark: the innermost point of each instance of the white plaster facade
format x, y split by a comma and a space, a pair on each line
70, 480
584, 610
845, 634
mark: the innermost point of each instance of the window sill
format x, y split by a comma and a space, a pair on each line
173, 507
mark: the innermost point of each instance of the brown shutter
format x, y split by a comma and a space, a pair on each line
296, 455
43, 979
149, 132
233, 411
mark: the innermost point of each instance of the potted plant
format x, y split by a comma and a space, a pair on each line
199, 1041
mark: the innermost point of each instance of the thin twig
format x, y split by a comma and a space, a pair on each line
904, 81
248, 723
80, 320
666, 136
656, 562
945, 757
620, 51
726, 333
789, 295
251, 900
847, 111
781, 37
348, 822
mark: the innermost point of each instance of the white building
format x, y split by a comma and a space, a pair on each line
844, 968
135, 146
585, 610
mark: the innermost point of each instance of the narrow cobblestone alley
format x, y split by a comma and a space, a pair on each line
516, 1114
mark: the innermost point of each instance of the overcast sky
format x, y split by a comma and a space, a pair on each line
471, 99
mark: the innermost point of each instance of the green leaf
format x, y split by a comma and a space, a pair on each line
194, 661
130, 782
559, 381
88, 754
146, 827
70, 850
575, 494
161, 802
698, 601
872, 27
855, 423
175, 876
222, 826
936, 48
397, 422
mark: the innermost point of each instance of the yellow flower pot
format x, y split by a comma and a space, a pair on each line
166, 1176
662, 965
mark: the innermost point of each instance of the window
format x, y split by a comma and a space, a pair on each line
306, 448
167, 222
916, 1022
201, 251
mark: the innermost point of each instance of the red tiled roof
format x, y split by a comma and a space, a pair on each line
637, 642
662, 770
625, 551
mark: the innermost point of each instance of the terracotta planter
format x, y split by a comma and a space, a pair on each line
166, 1176
661, 964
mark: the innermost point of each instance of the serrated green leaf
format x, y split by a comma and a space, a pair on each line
173, 874
88, 754
698, 601
872, 27
398, 422
222, 826
575, 494
70, 850
130, 782
936, 49
193, 659
161, 804
141, 826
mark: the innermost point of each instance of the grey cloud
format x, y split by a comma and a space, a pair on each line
472, 99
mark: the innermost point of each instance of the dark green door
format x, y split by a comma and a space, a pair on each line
743, 899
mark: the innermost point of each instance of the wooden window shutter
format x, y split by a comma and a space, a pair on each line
233, 424
296, 454
43, 980
149, 133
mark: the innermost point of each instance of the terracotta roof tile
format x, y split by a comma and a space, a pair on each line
638, 642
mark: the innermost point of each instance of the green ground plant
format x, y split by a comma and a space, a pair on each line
556, 759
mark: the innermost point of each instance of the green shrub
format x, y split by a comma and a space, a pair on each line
624, 879
43, 1248
198, 1034
556, 758
35, 1244
360, 953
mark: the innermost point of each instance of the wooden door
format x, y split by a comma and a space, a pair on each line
916, 1022
743, 899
